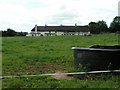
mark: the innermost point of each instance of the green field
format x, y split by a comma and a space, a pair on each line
40, 55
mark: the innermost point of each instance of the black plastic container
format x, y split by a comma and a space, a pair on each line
97, 57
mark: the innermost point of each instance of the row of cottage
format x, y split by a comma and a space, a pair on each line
59, 30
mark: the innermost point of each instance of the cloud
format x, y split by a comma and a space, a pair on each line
22, 15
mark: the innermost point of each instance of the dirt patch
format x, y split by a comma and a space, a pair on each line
45, 68
51, 67
60, 75
39, 69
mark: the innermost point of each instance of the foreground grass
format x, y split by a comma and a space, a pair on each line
101, 81
35, 55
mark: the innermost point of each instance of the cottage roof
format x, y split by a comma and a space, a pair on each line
62, 28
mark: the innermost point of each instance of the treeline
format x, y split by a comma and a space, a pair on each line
101, 26
12, 33
95, 28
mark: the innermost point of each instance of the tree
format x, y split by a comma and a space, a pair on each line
102, 26
4, 33
115, 24
0, 33
10, 32
21, 33
98, 27
93, 27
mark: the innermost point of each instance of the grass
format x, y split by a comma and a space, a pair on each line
47, 82
38, 55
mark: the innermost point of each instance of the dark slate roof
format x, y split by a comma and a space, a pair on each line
62, 28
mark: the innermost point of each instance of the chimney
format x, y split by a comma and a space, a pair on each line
61, 25
36, 28
75, 24
45, 25
119, 8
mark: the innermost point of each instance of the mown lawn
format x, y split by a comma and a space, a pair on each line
38, 55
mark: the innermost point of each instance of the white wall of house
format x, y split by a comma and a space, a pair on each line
53, 33
59, 33
47, 33
29, 34
69, 33
85, 33
76, 33
81, 33
43, 33
88, 33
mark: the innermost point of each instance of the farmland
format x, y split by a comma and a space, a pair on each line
40, 55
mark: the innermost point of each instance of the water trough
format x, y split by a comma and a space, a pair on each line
97, 57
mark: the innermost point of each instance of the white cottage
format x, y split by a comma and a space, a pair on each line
59, 30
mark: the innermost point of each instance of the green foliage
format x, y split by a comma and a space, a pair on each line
115, 25
86, 81
21, 33
98, 27
9, 32
12, 33
93, 27
102, 26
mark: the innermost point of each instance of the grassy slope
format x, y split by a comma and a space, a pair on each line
35, 55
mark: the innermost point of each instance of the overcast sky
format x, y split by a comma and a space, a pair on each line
22, 15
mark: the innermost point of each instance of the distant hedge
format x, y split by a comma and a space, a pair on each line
12, 33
